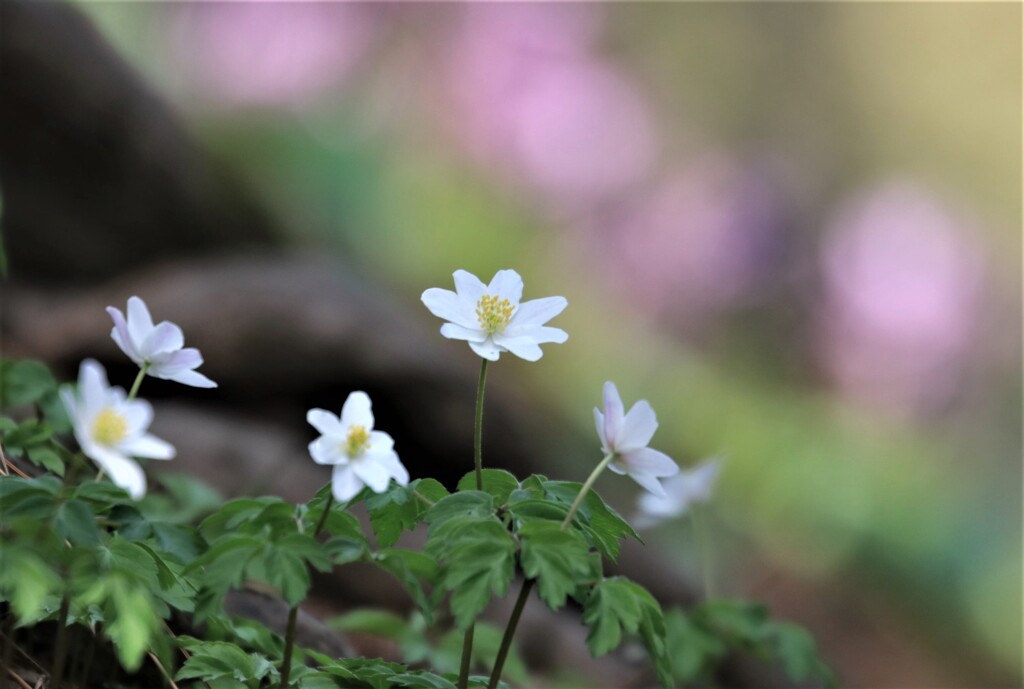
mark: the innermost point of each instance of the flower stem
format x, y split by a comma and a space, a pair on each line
478, 463
289, 645
703, 550
323, 517
586, 489
478, 428
60, 645
510, 630
138, 382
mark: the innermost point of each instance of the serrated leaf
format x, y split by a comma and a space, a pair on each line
498, 483
77, 523
470, 503
556, 559
411, 568
24, 382
401, 508
133, 621
370, 621
421, 680
603, 527
47, 458
26, 580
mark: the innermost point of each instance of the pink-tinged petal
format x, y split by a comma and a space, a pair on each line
638, 427
328, 450
139, 321
538, 333
148, 446
522, 347
468, 286
487, 349
93, 390
124, 472
165, 337
613, 415
138, 414
449, 306
508, 285
170, 363
457, 332
345, 485
649, 461
538, 311
599, 423
357, 411
193, 378
121, 337
325, 422
648, 483
381, 442
372, 474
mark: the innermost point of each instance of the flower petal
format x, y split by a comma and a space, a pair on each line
124, 472
357, 411
380, 442
140, 323
599, 423
458, 332
538, 333
613, 415
487, 349
648, 482
522, 347
121, 337
325, 422
372, 474
165, 337
638, 427
148, 446
538, 311
508, 285
193, 378
468, 286
451, 307
165, 364
393, 465
138, 414
345, 485
93, 390
649, 461
327, 450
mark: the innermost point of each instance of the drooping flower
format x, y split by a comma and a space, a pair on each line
688, 487
360, 455
625, 436
492, 319
111, 429
160, 348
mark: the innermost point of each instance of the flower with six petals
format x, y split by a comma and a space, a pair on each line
111, 429
492, 318
159, 349
360, 455
688, 487
625, 436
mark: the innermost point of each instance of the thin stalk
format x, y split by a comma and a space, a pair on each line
703, 550
510, 630
586, 489
289, 644
478, 463
60, 646
323, 517
138, 382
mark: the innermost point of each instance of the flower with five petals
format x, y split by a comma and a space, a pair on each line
492, 318
111, 429
360, 455
159, 349
682, 491
624, 437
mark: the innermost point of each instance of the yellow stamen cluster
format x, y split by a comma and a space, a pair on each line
109, 428
493, 313
357, 441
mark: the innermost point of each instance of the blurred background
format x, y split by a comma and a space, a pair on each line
793, 228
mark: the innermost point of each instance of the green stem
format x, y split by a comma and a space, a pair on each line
138, 382
323, 517
60, 646
703, 551
289, 644
478, 463
478, 428
586, 489
510, 631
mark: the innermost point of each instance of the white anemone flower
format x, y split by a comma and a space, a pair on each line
682, 491
625, 436
160, 348
111, 429
492, 319
360, 455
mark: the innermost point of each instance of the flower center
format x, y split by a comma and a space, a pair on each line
493, 313
109, 428
357, 441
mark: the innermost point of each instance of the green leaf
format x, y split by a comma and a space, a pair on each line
472, 503
26, 580
24, 382
603, 527
411, 568
421, 680
47, 458
370, 621
213, 661
77, 523
133, 622
402, 508
28, 434
557, 559
693, 648
498, 483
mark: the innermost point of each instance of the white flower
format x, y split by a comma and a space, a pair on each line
111, 429
688, 487
360, 455
625, 436
492, 319
158, 347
